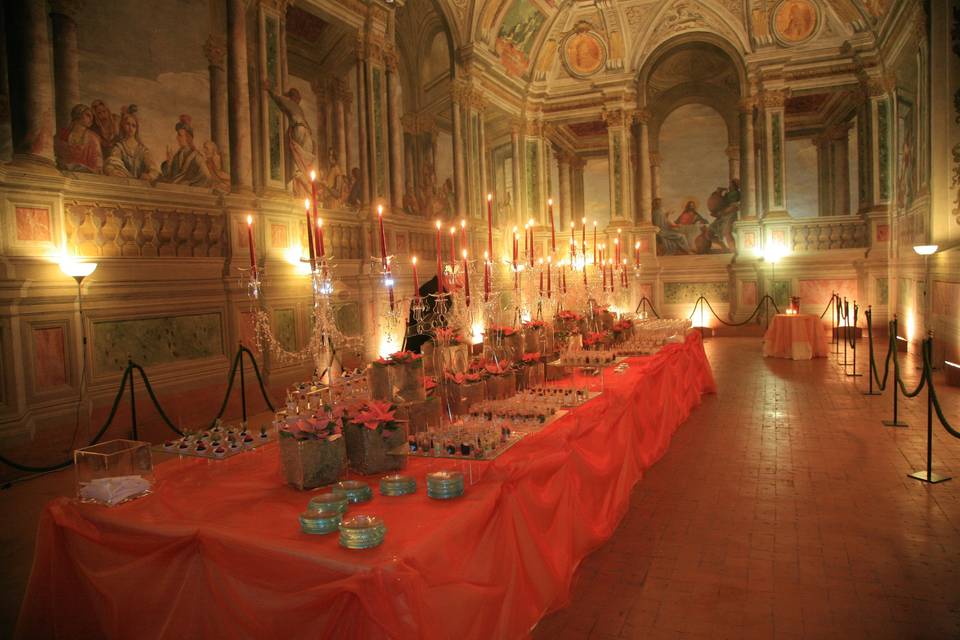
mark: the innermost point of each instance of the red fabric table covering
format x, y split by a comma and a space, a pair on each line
217, 550
798, 337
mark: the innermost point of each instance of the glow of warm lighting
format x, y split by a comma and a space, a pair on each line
414, 260
249, 220
463, 223
540, 262
911, 326
925, 249
951, 364
774, 253
489, 197
464, 254
379, 209
594, 223
571, 225
583, 220
530, 222
636, 245
438, 225
700, 319
477, 332
313, 175
319, 222
514, 229
549, 202
79, 270
293, 256
486, 256
549, 259
453, 230
306, 203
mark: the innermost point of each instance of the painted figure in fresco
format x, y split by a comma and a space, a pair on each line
77, 147
219, 179
334, 184
670, 242
129, 157
410, 200
186, 165
690, 215
299, 140
106, 125
724, 205
799, 23
356, 196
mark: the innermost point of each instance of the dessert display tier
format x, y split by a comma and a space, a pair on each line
219, 550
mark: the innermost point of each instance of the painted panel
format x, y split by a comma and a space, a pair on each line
285, 327
617, 177
33, 224
518, 32
152, 341
946, 299
596, 191
817, 292
532, 169
49, 357
883, 141
380, 153
278, 235
275, 148
777, 134
698, 203
748, 294
688, 292
883, 291
803, 198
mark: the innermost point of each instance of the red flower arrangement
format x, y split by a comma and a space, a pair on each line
569, 316
373, 414
534, 324
531, 358
444, 335
497, 367
623, 325
322, 426
462, 378
595, 338
501, 332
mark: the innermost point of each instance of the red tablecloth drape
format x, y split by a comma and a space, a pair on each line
217, 551
798, 337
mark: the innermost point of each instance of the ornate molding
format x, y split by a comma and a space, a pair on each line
773, 98
642, 116
215, 50
746, 104
615, 117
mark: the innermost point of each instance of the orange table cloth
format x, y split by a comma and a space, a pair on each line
797, 337
217, 550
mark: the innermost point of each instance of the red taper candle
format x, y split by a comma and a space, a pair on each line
416, 279
553, 230
313, 255
252, 247
490, 224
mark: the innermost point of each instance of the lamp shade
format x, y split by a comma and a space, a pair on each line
77, 269
925, 249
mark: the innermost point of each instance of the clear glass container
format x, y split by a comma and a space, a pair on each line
113, 472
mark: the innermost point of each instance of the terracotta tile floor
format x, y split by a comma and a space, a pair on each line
781, 510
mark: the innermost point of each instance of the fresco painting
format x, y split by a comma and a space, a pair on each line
517, 35
33, 224
699, 201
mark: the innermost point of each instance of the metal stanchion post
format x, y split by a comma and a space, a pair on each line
853, 343
927, 475
243, 393
871, 367
133, 403
896, 384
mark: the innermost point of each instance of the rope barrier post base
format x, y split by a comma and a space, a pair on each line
927, 475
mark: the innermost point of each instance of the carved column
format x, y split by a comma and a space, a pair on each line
748, 161
772, 104
66, 59
341, 102
618, 151
482, 151
841, 169
459, 177
518, 191
825, 174
576, 186
362, 135
31, 89
238, 92
655, 161
566, 194
733, 160
645, 184
215, 50
276, 168
394, 108
534, 167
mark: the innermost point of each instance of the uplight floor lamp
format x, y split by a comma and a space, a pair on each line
79, 271
927, 250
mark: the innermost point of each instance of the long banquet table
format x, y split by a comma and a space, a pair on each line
217, 550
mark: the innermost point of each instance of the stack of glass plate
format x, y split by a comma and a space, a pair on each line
328, 502
353, 490
444, 485
362, 532
318, 521
397, 485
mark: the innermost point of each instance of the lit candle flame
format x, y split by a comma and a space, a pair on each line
313, 175
249, 220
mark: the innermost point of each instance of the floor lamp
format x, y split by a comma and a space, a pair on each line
79, 271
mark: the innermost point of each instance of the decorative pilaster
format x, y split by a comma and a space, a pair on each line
576, 187
32, 106
518, 192
341, 106
874, 118
483, 160
274, 171
238, 93
394, 108
772, 103
534, 173
733, 162
66, 59
459, 179
618, 150
566, 194
748, 160
645, 183
362, 108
